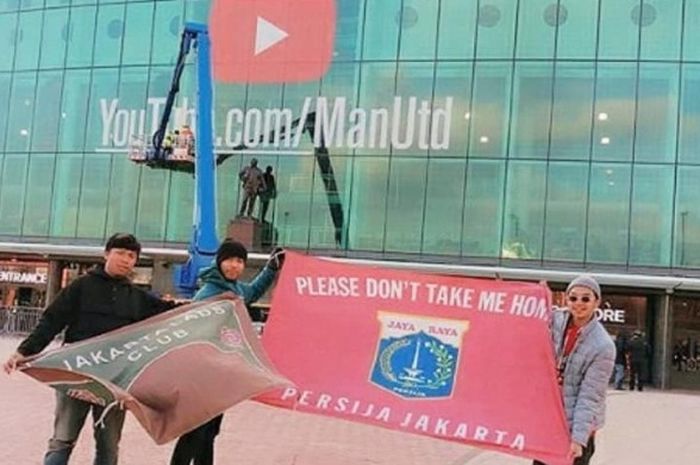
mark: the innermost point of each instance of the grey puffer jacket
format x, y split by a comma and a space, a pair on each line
586, 376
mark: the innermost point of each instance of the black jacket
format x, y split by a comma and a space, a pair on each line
91, 305
638, 349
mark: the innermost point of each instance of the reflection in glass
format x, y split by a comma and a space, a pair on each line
608, 213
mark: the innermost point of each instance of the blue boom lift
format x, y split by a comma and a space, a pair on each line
204, 242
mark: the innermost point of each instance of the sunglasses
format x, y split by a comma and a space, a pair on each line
585, 299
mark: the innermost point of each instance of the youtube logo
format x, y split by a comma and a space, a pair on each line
271, 41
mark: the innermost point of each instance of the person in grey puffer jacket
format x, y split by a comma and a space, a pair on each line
585, 355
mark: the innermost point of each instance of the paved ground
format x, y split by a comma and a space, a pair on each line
643, 428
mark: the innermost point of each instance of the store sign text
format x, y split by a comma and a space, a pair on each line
22, 277
610, 315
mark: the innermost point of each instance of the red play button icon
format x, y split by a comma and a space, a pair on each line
271, 40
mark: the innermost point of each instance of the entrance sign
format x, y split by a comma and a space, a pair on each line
174, 371
467, 360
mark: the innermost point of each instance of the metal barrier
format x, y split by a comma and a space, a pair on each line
19, 320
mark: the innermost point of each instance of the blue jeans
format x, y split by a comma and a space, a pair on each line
68, 421
619, 375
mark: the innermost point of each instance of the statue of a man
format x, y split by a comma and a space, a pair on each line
253, 182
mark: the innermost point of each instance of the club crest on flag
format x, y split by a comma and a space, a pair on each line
417, 357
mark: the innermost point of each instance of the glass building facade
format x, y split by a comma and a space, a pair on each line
489, 131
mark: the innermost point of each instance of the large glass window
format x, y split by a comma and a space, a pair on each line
22, 104
137, 33
37, 208
368, 203
4, 101
228, 190
414, 83
29, 40
483, 208
66, 194
167, 27
608, 213
12, 189
524, 214
123, 194
565, 218
572, 112
452, 98
651, 217
129, 119
418, 29
496, 23
94, 192
74, 110
48, 114
457, 29
295, 181
108, 35
152, 207
8, 35
443, 207
106, 120
405, 205
330, 197
348, 30
537, 24
53, 39
179, 208
691, 31
619, 28
614, 112
661, 24
689, 133
532, 113
80, 34
686, 247
578, 25
381, 31
657, 113
490, 110
377, 95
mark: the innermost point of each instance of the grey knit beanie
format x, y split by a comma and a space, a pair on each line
585, 280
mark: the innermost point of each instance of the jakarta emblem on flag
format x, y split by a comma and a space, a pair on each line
417, 357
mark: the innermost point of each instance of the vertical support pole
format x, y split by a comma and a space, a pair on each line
53, 280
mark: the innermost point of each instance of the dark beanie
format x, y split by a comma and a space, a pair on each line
123, 241
229, 249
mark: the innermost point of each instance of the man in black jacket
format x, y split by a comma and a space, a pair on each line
100, 301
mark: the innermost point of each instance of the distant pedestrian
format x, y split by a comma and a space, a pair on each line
585, 356
268, 193
638, 350
620, 359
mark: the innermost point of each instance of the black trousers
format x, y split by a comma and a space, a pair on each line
585, 457
636, 375
197, 446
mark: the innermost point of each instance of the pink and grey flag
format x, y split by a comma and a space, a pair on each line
174, 371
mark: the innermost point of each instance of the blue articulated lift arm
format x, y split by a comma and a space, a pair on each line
188, 36
204, 242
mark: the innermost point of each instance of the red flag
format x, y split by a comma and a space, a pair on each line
467, 360
174, 371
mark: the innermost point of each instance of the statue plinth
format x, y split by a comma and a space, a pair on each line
253, 234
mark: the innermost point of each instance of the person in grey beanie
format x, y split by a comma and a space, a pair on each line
585, 356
